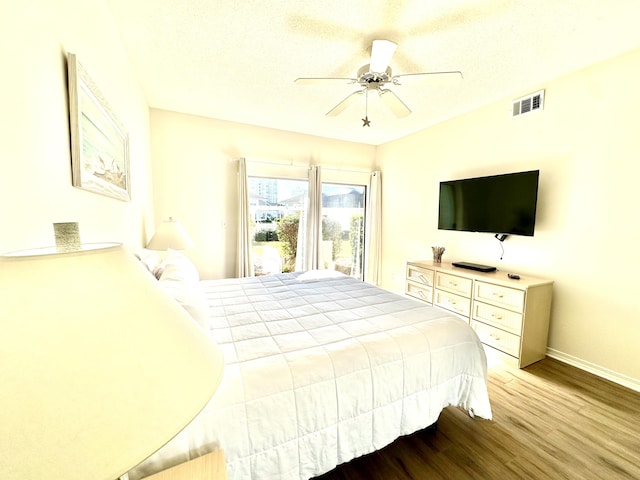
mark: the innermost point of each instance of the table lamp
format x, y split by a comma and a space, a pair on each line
170, 235
98, 367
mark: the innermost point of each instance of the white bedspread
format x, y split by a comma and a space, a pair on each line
322, 368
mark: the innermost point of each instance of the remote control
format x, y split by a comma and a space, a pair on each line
513, 276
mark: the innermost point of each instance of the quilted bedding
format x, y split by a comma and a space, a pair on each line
322, 368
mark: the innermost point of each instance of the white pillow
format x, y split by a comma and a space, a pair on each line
191, 297
179, 278
149, 258
177, 266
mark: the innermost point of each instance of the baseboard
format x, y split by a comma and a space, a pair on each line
632, 383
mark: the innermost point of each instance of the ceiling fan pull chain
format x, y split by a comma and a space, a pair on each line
365, 121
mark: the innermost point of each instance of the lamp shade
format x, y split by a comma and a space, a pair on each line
170, 235
98, 367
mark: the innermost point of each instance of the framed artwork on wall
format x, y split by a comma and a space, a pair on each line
99, 143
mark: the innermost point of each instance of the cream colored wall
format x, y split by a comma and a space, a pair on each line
195, 180
585, 144
35, 184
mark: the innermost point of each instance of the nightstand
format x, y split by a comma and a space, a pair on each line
207, 467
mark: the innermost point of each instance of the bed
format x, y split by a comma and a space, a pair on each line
320, 368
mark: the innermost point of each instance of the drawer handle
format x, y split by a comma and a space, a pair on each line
493, 335
496, 316
453, 284
499, 295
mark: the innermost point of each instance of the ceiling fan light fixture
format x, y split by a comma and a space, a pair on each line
370, 79
381, 53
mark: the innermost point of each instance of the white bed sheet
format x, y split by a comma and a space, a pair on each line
322, 368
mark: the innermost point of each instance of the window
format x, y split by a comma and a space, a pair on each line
276, 205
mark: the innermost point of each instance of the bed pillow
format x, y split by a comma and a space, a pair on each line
177, 266
180, 279
191, 297
149, 258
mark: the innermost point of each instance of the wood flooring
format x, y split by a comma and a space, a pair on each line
550, 421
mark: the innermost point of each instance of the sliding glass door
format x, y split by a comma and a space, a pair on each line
343, 216
277, 206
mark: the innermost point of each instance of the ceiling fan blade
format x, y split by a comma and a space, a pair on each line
324, 81
423, 73
394, 103
339, 108
381, 53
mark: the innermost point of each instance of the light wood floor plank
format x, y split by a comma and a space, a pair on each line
551, 421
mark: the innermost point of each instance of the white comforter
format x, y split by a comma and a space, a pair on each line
322, 368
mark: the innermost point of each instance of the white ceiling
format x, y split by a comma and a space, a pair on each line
237, 59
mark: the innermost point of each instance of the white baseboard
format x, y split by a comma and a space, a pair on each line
629, 382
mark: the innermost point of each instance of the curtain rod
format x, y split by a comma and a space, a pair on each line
302, 165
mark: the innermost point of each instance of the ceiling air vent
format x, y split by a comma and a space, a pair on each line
528, 104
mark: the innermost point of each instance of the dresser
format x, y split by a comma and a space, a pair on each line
510, 316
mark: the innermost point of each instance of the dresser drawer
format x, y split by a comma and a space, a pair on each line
419, 291
454, 284
496, 338
420, 275
498, 317
455, 303
506, 297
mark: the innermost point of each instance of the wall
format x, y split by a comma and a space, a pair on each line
195, 179
35, 185
585, 145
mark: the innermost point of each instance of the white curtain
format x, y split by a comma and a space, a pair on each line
244, 262
309, 251
373, 238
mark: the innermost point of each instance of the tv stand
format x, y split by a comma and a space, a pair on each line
474, 266
511, 317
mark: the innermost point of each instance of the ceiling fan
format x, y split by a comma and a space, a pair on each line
373, 76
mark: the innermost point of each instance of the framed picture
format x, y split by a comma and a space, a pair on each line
99, 143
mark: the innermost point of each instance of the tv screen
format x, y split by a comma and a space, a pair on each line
502, 204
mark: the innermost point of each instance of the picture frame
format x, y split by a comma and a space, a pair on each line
99, 142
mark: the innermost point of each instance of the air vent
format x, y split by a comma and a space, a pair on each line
528, 104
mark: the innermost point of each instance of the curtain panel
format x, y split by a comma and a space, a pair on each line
244, 262
373, 239
310, 228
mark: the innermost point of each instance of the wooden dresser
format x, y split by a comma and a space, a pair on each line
511, 316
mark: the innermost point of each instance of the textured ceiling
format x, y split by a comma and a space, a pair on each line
237, 60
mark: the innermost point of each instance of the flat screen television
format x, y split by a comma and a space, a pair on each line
500, 204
